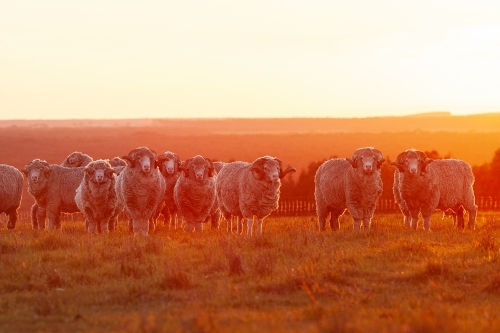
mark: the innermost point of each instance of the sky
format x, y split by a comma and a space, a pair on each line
198, 59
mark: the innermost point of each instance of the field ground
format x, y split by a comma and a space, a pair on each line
291, 279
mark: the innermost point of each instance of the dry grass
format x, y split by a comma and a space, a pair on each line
291, 279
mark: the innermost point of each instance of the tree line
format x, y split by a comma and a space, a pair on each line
486, 184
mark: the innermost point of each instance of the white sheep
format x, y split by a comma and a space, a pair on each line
96, 197
426, 185
169, 166
353, 184
248, 190
76, 159
194, 192
53, 188
11, 190
140, 188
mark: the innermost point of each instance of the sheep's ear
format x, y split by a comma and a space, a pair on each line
354, 163
421, 156
110, 172
24, 170
118, 169
130, 161
89, 170
380, 158
211, 167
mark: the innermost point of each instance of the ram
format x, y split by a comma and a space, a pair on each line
353, 183
426, 185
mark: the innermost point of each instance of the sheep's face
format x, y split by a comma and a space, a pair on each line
269, 169
198, 168
142, 157
145, 162
412, 161
99, 171
367, 159
36, 171
169, 163
75, 158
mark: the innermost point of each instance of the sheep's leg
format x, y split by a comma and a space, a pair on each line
249, 226
426, 215
414, 218
140, 227
11, 224
239, 225
104, 227
472, 219
189, 227
178, 220
215, 220
357, 224
334, 221
229, 221
407, 221
92, 227
366, 223
198, 227
323, 213
34, 221
54, 220
460, 217
259, 227
152, 225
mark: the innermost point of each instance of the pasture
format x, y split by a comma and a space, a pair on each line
291, 279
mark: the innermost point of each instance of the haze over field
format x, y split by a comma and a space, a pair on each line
199, 59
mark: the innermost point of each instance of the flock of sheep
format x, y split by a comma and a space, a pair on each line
198, 190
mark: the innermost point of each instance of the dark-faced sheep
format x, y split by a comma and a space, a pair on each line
194, 192
248, 190
353, 184
76, 159
169, 166
96, 197
53, 188
140, 188
426, 185
11, 190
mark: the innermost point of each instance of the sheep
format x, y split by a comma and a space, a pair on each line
11, 190
194, 192
118, 164
353, 184
76, 159
248, 190
140, 188
426, 185
96, 197
169, 166
53, 188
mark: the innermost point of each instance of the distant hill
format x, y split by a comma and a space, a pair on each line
430, 122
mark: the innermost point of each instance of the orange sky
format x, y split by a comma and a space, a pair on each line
129, 59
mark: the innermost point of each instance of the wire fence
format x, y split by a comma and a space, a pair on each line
296, 206
302, 206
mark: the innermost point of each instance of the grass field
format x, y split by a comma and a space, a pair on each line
291, 279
